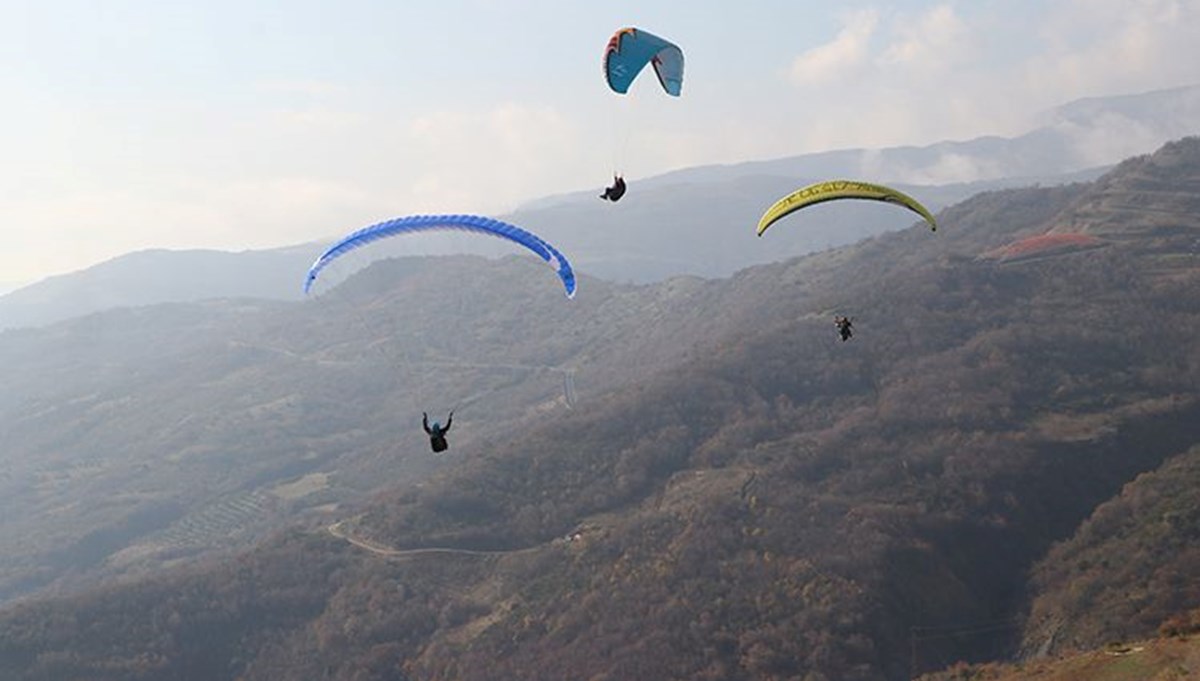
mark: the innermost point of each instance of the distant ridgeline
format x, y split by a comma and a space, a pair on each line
998, 463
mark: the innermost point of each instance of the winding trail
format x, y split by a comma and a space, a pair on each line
378, 549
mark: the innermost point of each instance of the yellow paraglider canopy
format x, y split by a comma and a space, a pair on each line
840, 189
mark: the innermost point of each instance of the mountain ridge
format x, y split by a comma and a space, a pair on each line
753, 498
655, 236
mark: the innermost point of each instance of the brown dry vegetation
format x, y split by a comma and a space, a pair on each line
1165, 659
773, 505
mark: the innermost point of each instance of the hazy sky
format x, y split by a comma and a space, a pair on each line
131, 124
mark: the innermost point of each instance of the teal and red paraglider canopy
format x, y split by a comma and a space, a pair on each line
628, 52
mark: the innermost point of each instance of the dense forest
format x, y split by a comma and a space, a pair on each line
999, 463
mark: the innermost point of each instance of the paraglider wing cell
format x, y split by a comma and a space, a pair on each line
840, 189
422, 223
628, 52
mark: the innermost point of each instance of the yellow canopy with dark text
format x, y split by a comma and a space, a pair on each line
833, 190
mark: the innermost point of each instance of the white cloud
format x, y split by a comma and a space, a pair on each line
491, 160
957, 71
844, 54
934, 43
1115, 45
288, 176
309, 88
80, 228
1110, 138
315, 121
915, 79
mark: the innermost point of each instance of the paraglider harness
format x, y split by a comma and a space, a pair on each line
615, 192
436, 433
844, 327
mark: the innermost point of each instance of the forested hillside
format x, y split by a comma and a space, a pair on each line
763, 501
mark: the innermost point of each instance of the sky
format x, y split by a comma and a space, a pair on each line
240, 124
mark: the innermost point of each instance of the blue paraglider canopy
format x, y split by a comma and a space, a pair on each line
422, 223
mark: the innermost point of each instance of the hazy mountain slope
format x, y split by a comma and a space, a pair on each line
701, 229
763, 503
689, 221
202, 625
907, 498
149, 433
144, 435
1086, 133
744, 504
696, 229
1128, 569
158, 276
